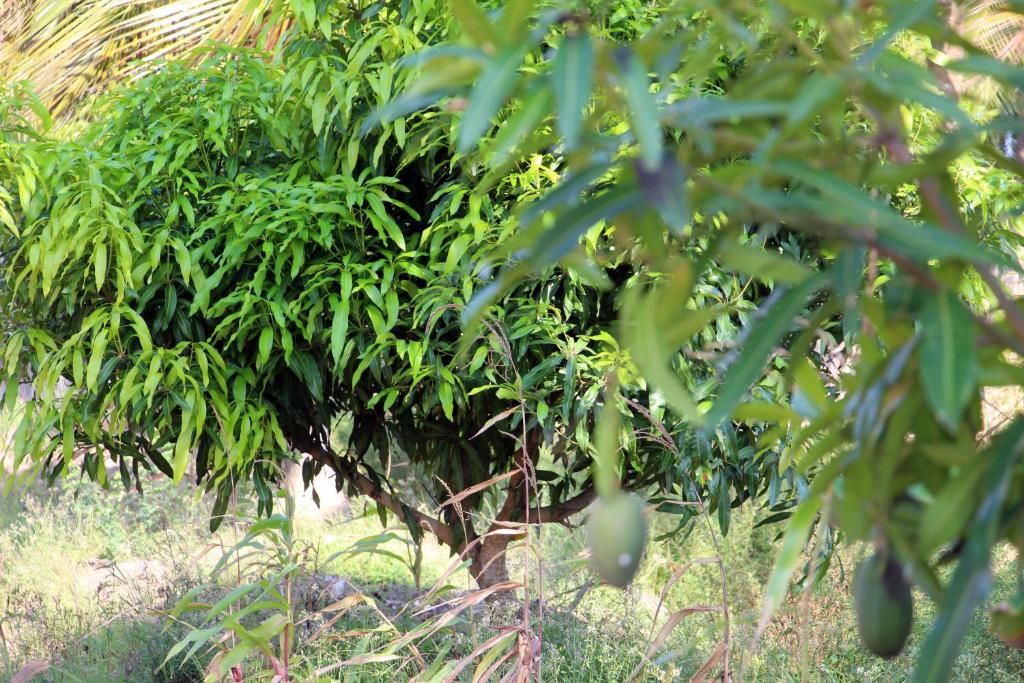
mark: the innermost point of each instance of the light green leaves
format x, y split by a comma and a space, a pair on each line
100, 263
339, 328
266, 343
447, 399
948, 363
319, 110
92, 370
572, 77
606, 443
765, 265
656, 324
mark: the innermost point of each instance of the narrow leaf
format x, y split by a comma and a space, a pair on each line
793, 542
489, 93
948, 363
643, 109
572, 77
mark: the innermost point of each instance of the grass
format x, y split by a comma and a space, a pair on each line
52, 608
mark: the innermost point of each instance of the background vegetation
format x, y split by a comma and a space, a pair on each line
487, 264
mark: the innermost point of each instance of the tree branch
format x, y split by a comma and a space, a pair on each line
442, 531
560, 512
346, 470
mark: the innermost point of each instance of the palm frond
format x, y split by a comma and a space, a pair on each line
70, 50
993, 27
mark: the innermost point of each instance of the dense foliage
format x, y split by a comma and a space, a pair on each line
855, 125
222, 272
457, 238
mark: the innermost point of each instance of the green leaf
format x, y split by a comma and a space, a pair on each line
490, 91
266, 342
404, 104
643, 109
319, 110
182, 446
572, 77
501, 644
101, 264
947, 360
724, 507
92, 370
758, 342
606, 445
475, 23
764, 265
843, 202
793, 542
665, 188
456, 251
972, 579
308, 371
985, 65
655, 325
444, 394
564, 235
536, 104
339, 327
947, 514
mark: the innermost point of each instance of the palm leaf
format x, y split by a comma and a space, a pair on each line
993, 27
71, 50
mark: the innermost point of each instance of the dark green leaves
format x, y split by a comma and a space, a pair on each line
757, 344
948, 363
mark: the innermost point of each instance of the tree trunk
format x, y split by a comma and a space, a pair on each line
489, 566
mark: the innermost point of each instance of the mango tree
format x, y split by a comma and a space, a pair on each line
857, 127
223, 271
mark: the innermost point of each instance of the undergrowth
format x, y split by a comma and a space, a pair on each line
64, 600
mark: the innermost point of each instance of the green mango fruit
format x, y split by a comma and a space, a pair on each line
617, 534
884, 604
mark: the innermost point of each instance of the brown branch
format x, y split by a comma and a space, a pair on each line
318, 452
527, 457
560, 512
442, 531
